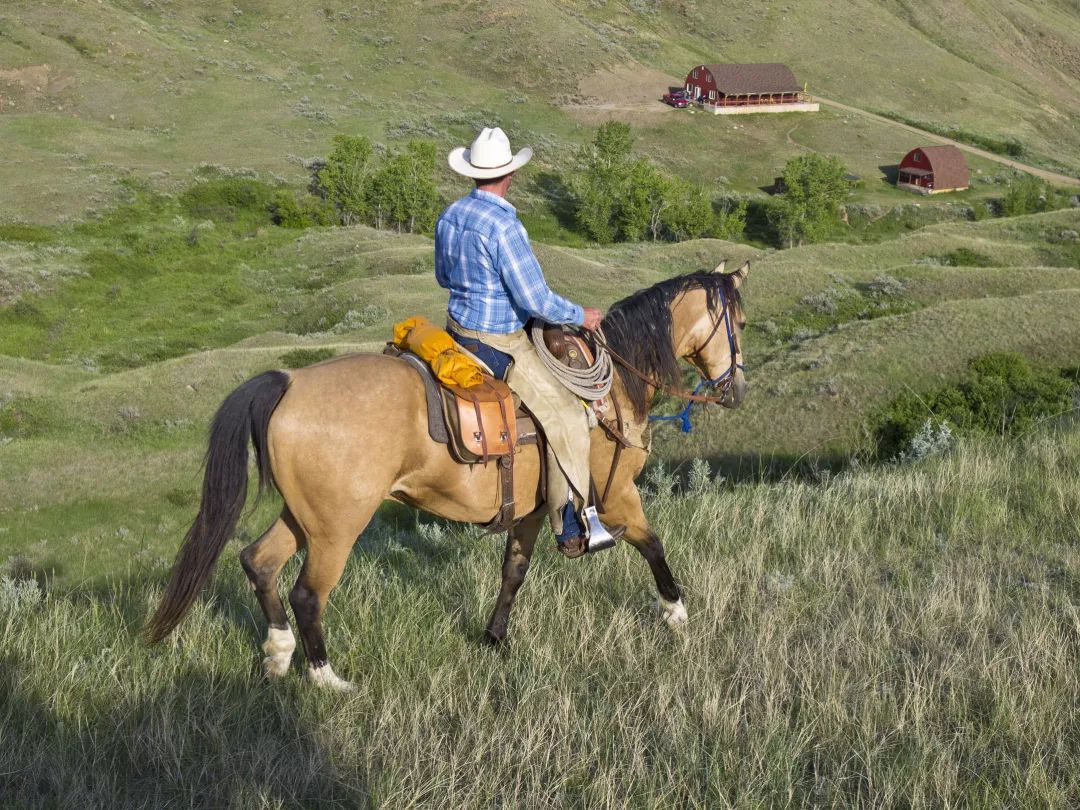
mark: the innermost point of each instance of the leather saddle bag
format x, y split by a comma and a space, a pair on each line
482, 421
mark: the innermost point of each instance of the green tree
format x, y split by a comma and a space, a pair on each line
690, 211
643, 207
622, 198
729, 218
809, 208
1026, 195
402, 192
601, 186
345, 178
612, 145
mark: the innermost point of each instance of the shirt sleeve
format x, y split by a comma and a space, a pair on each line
523, 277
441, 270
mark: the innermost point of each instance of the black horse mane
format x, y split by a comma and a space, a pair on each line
639, 326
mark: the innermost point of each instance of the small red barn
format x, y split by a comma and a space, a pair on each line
743, 85
933, 169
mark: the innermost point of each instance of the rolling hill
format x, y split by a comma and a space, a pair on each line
150, 88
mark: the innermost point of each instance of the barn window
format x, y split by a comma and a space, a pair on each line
712, 95
695, 73
917, 157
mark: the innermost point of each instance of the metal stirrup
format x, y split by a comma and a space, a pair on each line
597, 535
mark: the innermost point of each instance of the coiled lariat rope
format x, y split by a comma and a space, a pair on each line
590, 383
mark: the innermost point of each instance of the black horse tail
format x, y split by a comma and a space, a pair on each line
244, 414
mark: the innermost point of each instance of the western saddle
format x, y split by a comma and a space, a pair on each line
486, 422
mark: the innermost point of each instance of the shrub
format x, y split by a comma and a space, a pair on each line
20, 232
933, 438
289, 212
1001, 394
19, 596
228, 199
966, 257
298, 358
24, 417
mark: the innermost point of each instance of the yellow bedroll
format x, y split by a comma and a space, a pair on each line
421, 337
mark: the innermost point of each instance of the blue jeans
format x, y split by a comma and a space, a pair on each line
497, 361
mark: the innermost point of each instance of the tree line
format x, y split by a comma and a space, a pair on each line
608, 194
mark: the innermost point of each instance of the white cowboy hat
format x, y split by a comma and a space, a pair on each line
489, 156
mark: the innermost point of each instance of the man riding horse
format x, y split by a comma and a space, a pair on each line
338, 438
483, 257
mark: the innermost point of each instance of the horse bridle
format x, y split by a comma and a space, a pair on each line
727, 378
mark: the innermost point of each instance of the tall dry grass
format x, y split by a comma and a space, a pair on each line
903, 636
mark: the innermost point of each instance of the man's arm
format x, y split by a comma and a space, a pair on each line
525, 280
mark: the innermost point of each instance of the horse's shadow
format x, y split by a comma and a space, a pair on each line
758, 468
424, 552
198, 739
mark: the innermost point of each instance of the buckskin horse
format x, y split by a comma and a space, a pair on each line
339, 437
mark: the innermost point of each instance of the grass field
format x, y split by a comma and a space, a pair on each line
899, 636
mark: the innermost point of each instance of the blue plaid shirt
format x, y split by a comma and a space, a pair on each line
482, 255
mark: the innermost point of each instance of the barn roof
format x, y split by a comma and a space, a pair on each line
768, 77
950, 167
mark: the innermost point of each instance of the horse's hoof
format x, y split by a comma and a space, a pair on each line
325, 678
279, 646
673, 613
276, 666
496, 642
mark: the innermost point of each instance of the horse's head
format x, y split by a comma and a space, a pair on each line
696, 317
708, 322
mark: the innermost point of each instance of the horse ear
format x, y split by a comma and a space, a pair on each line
739, 276
720, 267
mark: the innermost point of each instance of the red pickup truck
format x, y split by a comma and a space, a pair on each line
676, 99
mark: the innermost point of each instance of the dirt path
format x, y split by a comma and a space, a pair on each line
1053, 177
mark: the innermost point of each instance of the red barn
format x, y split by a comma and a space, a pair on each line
933, 169
735, 85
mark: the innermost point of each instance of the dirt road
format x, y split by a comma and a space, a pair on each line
1053, 177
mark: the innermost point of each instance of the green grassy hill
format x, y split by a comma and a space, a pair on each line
123, 88
125, 334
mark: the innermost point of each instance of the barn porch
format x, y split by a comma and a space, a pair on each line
731, 107
920, 180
